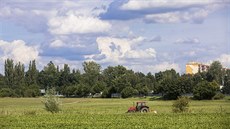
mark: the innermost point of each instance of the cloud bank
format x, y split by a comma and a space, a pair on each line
163, 11
77, 24
18, 51
119, 50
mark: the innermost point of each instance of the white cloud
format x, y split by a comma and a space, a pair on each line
7, 11
18, 51
156, 39
174, 11
190, 53
148, 53
44, 13
154, 68
177, 17
163, 18
74, 24
164, 66
188, 41
140, 5
118, 50
113, 48
57, 43
72, 16
225, 60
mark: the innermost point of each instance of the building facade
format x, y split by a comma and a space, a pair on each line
195, 67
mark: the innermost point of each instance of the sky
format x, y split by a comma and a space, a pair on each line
143, 35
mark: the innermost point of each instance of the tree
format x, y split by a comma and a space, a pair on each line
69, 91
75, 77
9, 73
82, 90
168, 84
92, 72
226, 88
116, 78
112, 73
91, 67
14, 76
98, 87
120, 83
19, 79
65, 78
171, 89
31, 91
142, 89
2, 83
151, 82
185, 83
215, 72
128, 92
19, 73
67, 81
7, 92
205, 90
144, 83
197, 78
105, 93
48, 77
32, 73
131, 77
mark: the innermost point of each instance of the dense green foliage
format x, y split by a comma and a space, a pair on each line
205, 90
17, 82
215, 72
226, 88
82, 113
112, 80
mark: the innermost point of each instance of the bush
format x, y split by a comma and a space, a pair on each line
218, 96
181, 104
52, 103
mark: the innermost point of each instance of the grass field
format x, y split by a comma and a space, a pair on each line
87, 113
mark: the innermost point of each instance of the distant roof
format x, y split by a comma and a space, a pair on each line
196, 63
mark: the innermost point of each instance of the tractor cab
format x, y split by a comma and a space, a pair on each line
139, 104
140, 107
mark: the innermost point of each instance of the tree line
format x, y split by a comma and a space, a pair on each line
16, 82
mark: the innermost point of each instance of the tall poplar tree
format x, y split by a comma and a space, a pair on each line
9, 73
32, 73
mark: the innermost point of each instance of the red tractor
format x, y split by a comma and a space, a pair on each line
140, 107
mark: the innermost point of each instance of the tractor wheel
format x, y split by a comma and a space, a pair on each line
144, 110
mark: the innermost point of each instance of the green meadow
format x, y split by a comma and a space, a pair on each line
90, 113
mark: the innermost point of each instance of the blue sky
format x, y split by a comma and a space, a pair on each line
146, 36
